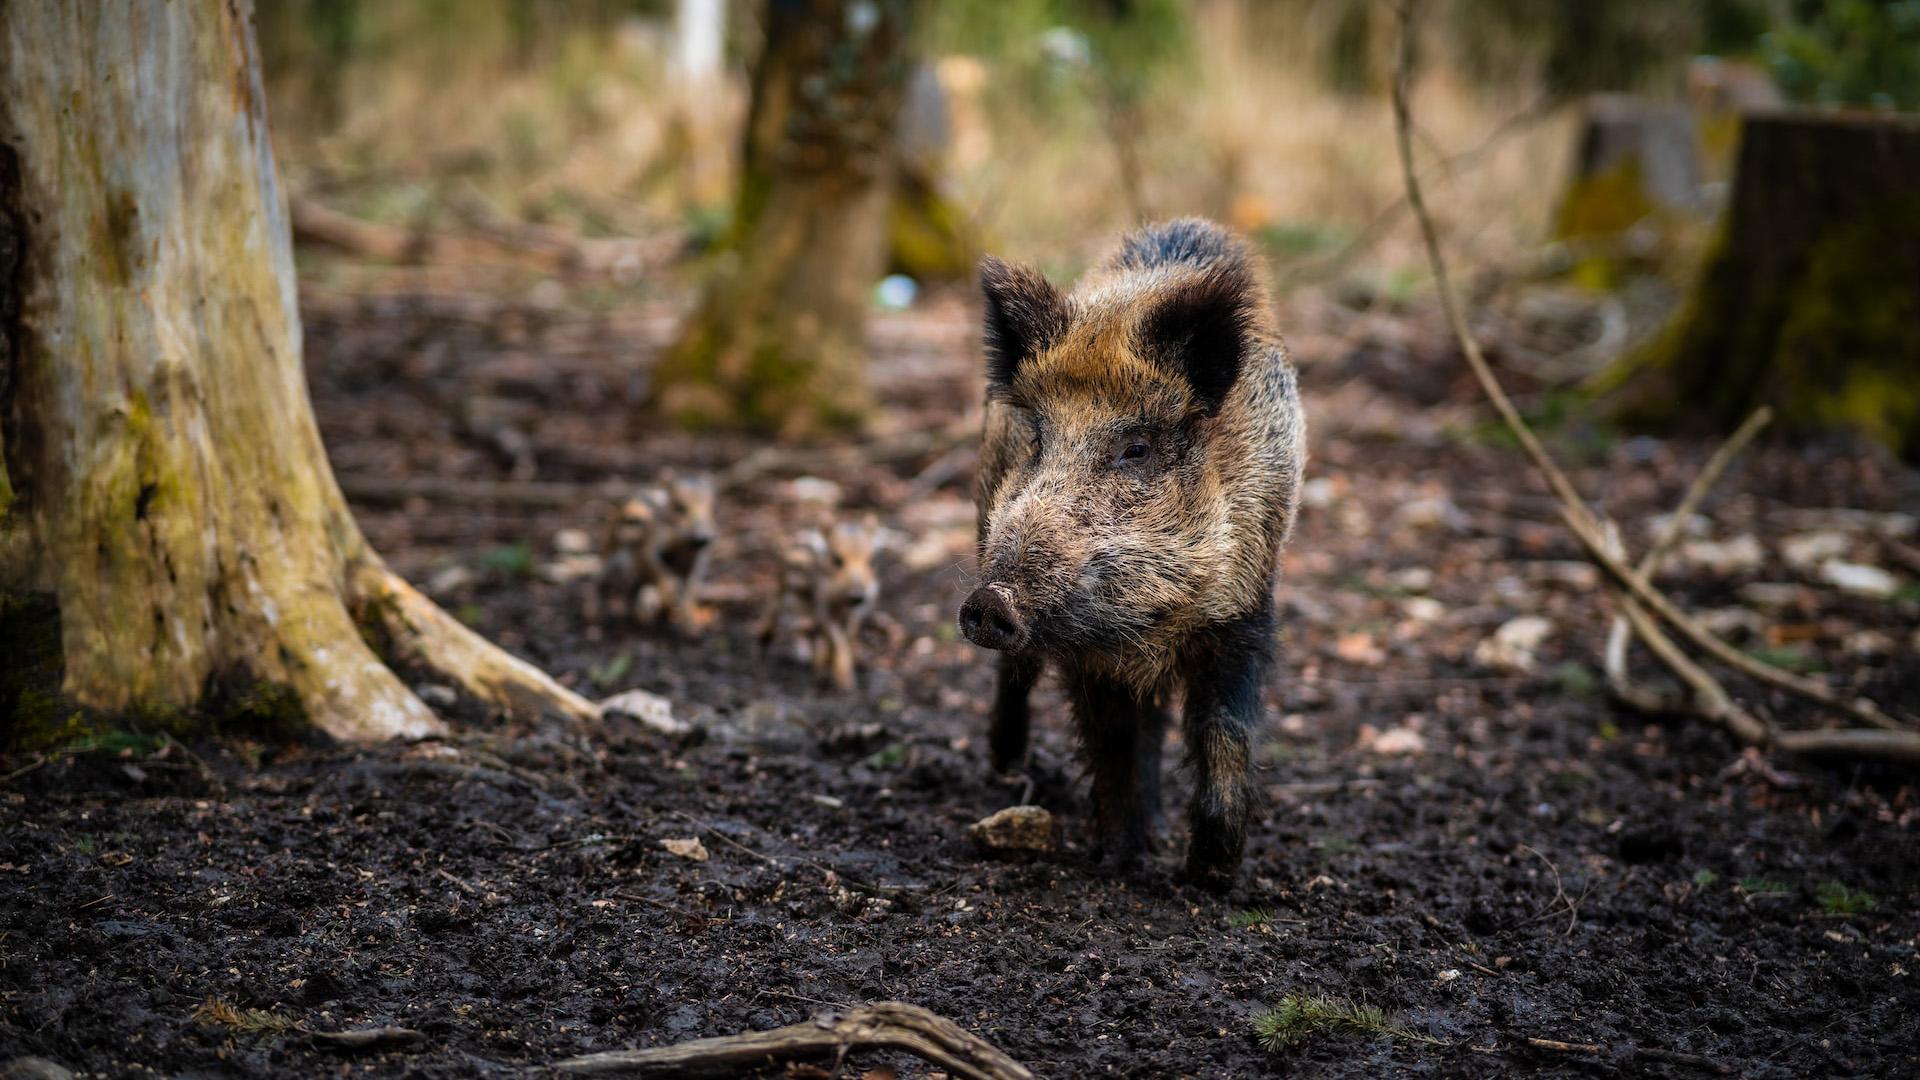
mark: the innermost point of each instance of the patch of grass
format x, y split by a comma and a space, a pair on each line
514, 560
1907, 593
1250, 918
887, 757
1575, 680
216, 1013
1704, 877
1764, 886
1333, 845
470, 613
1299, 1017
610, 671
1837, 899
1790, 659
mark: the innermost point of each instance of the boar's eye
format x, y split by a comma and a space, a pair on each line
1133, 450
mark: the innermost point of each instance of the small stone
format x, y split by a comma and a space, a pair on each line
650, 711
1771, 595
1733, 622
572, 541
1396, 741
686, 847
437, 695
1859, 579
449, 580
1739, 555
1319, 492
813, 489
1867, 643
1423, 609
1016, 828
1568, 573
1804, 551
1432, 512
1513, 646
1360, 648
1414, 579
570, 568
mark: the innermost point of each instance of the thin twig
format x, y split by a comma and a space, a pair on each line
890, 1024
1709, 697
1674, 1057
1586, 528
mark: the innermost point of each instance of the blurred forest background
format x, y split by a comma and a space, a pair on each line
1573, 145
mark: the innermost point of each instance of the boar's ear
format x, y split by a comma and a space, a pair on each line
1202, 328
1025, 316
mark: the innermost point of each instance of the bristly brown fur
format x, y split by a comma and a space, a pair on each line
1139, 474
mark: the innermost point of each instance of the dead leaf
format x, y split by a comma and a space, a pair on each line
687, 848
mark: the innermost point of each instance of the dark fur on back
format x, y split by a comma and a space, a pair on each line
1196, 241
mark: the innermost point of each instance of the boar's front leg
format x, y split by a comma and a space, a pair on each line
1225, 676
1007, 735
1122, 734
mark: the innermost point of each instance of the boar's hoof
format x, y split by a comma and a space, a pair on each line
1214, 877
989, 620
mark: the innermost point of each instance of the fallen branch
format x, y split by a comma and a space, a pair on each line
542, 248
1710, 699
1587, 528
887, 1024
1648, 1053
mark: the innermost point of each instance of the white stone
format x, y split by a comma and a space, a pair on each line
650, 711
1859, 579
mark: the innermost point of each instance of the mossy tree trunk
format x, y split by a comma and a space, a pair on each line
778, 338
1810, 301
166, 483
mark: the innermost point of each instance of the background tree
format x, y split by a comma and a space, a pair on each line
164, 483
778, 338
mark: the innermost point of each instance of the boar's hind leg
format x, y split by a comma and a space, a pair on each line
1114, 724
1224, 680
1007, 738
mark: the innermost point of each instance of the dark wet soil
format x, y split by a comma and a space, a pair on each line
1531, 863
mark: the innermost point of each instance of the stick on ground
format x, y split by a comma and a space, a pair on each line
889, 1024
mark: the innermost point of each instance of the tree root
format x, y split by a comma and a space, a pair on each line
891, 1024
1643, 602
423, 635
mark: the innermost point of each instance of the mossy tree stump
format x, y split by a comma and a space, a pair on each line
164, 482
1810, 299
777, 340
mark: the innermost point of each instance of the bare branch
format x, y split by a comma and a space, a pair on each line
891, 1024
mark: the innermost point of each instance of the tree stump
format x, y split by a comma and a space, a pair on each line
1810, 299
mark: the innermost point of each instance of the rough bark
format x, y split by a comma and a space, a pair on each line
1810, 300
777, 340
169, 489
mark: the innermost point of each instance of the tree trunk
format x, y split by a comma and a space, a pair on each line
1810, 301
778, 338
166, 483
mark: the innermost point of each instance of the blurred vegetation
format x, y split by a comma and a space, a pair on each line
1847, 52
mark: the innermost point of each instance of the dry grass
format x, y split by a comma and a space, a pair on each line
575, 125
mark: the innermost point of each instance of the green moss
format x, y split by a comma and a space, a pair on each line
1604, 203
263, 709
1834, 342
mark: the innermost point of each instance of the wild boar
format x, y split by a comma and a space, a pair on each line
830, 578
1139, 473
654, 554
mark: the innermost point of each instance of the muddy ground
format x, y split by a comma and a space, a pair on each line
1480, 844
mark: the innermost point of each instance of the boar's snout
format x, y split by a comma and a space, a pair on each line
990, 620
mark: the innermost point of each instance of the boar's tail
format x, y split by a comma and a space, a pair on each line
1194, 241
